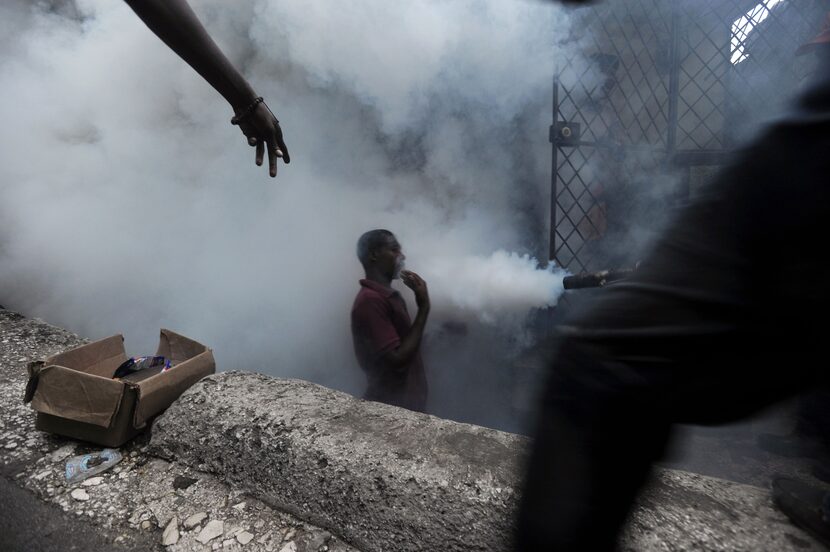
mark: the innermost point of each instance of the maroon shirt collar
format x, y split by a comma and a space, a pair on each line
380, 288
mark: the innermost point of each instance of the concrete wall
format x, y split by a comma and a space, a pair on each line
246, 450
384, 478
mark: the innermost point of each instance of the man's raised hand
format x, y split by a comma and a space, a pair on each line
418, 286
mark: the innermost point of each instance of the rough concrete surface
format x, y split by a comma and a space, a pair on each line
383, 477
388, 479
131, 505
257, 463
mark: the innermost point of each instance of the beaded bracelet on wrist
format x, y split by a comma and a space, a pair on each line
245, 113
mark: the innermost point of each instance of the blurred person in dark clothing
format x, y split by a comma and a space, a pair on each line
811, 435
725, 316
174, 22
386, 340
804, 503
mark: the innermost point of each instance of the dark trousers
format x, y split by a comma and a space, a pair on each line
727, 314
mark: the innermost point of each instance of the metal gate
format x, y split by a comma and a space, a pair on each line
652, 99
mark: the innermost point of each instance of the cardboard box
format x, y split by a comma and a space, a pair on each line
74, 393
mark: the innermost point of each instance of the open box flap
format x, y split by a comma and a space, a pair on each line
100, 358
178, 348
158, 392
84, 398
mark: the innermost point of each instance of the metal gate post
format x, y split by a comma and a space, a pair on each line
554, 173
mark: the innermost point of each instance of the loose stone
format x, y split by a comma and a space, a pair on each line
171, 533
181, 482
194, 520
290, 547
213, 529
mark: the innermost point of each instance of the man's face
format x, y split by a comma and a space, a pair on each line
390, 259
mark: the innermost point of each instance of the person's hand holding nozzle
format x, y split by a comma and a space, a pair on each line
418, 286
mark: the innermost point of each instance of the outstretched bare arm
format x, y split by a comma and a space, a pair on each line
174, 22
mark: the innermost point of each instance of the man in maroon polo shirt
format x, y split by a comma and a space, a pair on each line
386, 340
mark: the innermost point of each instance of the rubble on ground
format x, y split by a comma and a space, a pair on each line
179, 509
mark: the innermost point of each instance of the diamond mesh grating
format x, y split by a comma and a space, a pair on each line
654, 79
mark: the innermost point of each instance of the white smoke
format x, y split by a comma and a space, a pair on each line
129, 203
501, 286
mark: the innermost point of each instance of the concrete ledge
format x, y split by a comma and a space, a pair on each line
381, 477
384, 478
325, 456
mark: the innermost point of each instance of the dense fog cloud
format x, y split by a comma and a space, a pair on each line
129, 203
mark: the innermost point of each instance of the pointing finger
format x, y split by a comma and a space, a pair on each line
259, 153
272, 161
